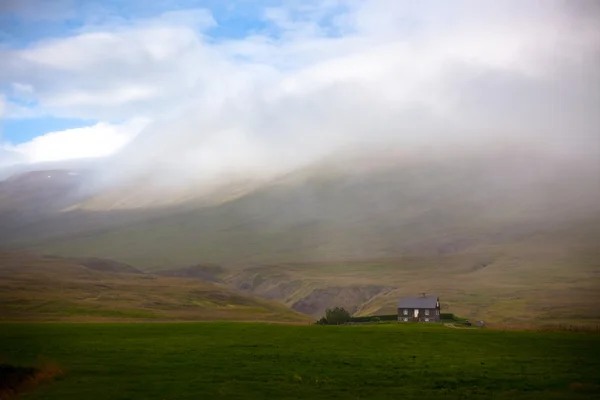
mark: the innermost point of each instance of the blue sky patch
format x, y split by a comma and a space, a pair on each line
17, 131
22, 24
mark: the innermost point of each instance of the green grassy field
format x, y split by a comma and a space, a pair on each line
250, 360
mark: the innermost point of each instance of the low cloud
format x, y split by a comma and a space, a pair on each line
320, 76
99, 140
7, 157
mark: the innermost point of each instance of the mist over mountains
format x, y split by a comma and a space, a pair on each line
355, 205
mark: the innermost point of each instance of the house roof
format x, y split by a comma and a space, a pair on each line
418, 302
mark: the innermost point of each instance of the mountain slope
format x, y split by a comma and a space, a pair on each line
36, 288
524, 283
333, 212
499, 235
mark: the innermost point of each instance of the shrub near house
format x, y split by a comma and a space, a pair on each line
335, 316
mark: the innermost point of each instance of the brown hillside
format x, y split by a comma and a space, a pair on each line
39, 288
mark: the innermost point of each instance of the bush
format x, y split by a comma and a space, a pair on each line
334, 316
337, 316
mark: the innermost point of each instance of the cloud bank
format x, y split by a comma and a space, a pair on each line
310, 77
89, 142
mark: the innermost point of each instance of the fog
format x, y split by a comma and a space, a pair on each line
465, 75
341, 75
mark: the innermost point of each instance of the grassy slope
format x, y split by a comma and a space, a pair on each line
543, 272
525, 286
328, 214
225, 360
41, 289
537, 234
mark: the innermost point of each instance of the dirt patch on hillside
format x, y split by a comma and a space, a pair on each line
311, 297
348, 297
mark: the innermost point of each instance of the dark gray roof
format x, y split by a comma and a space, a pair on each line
418, 302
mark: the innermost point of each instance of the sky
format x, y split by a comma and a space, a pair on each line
211, 86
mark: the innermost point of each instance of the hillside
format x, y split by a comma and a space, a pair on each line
354, 209
37, 288
520, 285
501, 235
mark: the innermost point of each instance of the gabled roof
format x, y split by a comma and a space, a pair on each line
418, 302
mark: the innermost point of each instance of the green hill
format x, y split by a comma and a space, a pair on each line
333, 212
37, 288
505, 236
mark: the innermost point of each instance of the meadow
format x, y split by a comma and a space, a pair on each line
211, 360
36, 288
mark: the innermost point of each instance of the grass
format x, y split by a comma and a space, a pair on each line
34, 288
496, 244
242, 360
425, 208
41, 287
547, 288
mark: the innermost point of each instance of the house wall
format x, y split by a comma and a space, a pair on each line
434, 315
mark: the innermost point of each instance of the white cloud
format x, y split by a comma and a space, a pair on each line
7, 157
22, 89
98, 140
118, 71
2, 106
110, 97
335, 72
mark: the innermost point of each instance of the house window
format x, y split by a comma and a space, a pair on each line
405, 312
437, 312
426, 312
